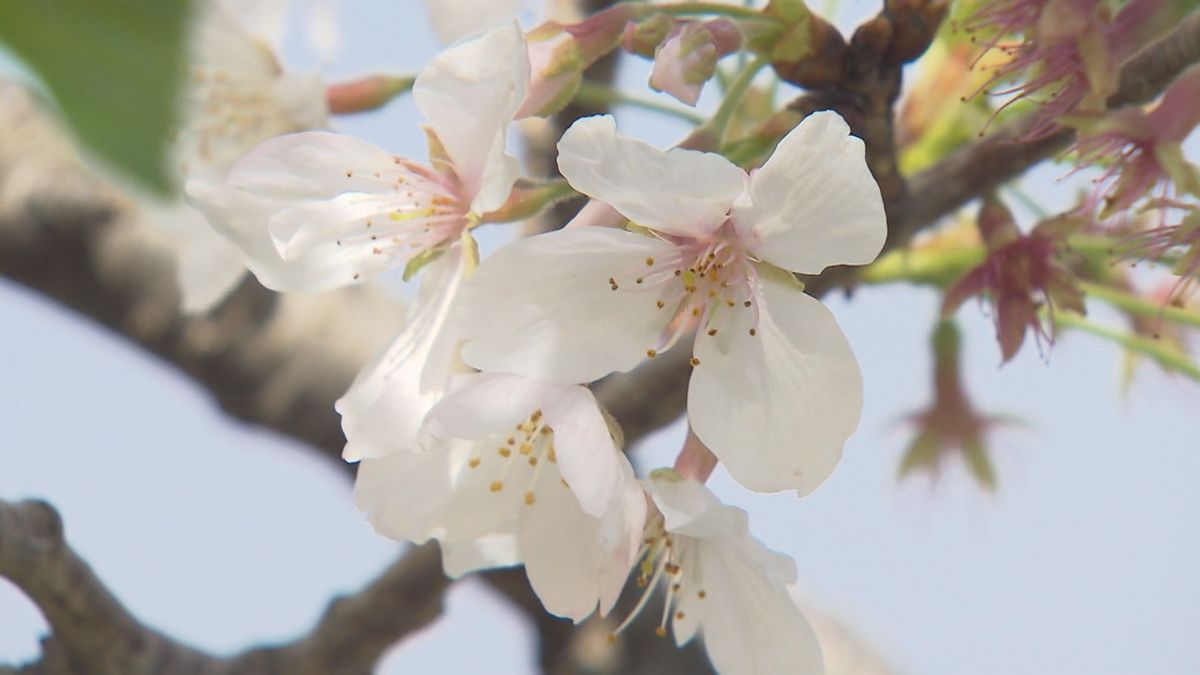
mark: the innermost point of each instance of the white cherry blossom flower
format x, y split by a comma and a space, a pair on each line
775, 390
516, 471
318, 210
384, 408
722, 584
236, 96
346, 210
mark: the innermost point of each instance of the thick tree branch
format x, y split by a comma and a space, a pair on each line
93, 634
92, 631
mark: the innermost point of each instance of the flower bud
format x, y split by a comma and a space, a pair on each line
808, 51
368, 93
644, 37
689, 58
558, 55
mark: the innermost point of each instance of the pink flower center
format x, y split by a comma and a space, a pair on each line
425, 209
702, 283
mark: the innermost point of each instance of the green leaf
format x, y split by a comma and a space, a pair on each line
113, 68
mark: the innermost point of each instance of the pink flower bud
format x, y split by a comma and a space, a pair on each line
365, 94
689, 58
558, 55
644, 37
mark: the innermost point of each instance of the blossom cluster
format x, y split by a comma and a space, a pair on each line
475, 426
1064, 58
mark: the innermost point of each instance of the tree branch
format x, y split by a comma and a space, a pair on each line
93, 633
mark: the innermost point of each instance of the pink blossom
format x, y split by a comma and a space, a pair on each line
1022, 273
1071, 51
688, 58
1142, 149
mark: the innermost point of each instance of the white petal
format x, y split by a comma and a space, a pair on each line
543, 307
487, 552
453, 19
312, 165
569, 567
313, 195
469, 93
241, 218
687, 506
620, 535
486, 404
752, 625
265, 19
777, 407
383, 410
237, 96
749, 621
676, 191
207, 266
588, 458
433, 494
814, 203
238, 39
489, 404
323, 29
208, 271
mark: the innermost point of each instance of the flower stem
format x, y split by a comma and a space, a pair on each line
711, 134
923, 266
365, 94
591, 93
940, 266
713, 8
1140, 306
1027, 201
1154, 349
529, 199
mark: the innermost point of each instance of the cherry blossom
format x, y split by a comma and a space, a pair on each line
236, 96
515, 471
317, 210
352, 210
775, 390
1022, 274
722, 583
